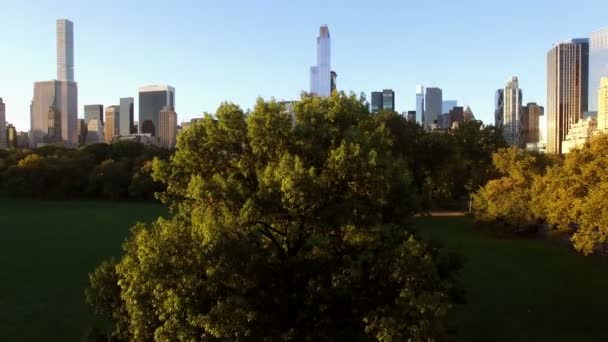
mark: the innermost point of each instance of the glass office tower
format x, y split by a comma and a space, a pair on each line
598, 65
152, 99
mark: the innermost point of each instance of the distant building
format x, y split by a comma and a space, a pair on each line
411, 115
420, 104
447, 106
152, 99
598, 65
376, 101
3, 141
388, 100
95, 132
111, 126
62, 95
567, 89
82, 132
433, 102
511, 114
530, 124
23, 139
468, 114
320, 74
602, 109
578, 134
334, 80
93, 111
54, 126
456, 115
499, 99
167, 132
65, 50
11, 136
127, 118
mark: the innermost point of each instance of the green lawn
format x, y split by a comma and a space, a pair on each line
47, 250
518, 289
524, 289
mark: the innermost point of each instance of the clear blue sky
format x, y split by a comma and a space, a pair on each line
212, 51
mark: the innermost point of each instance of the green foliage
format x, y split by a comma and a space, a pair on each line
284, 228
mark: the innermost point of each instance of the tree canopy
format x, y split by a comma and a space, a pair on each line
285, 226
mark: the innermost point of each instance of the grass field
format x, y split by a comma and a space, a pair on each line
524, 289
47, 250
518, 289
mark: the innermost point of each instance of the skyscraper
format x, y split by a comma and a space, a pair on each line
376, 101
152, 99
530, 124
567, 89
447, 105
598, 65
433, 102
65, 50
602, 108
11, 136
3, 141
127, 119
61, 94
499, 100
388, 100
112, 121
420, 104
94, 111
511, 114
167, 131
320, 74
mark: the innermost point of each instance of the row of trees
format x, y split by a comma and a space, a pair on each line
117, 171
568, 194
295, 227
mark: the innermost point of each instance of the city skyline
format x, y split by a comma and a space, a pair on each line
207, 79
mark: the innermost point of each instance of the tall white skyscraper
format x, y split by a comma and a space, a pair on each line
320, 74
65, 50
512, 110
420, 103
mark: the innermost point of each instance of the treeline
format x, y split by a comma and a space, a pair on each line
121, 170
565, 194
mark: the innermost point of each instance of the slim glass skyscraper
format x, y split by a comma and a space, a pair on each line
376, 101
433, 102
567, 89
512, 112
499, 100
388, 100
320, 74
598, 64
65, 50
152, 99
420, 104
127, 119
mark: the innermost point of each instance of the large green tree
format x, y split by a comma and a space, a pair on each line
284, 226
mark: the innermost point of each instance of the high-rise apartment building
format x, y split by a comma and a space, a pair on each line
420, 103
65, 50
167, 131
3, 141
602, 106
598, 65
127, 118
511, 114
152, 99
61, 93
111, 124
376, 101
530, 124
320, 74
433, 102
388, 100
93, 111
567, 89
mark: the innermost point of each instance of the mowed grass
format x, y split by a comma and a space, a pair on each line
47, 250
524, 289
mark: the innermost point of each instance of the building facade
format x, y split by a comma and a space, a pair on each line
447, 106
3, 139
53, 135
388, 100
127, 117
167, 132
433, 102
602, 107
65, 50
511, 114
530, 124
93, 111
578, 134
320, 74
376, 101
152, 99
598, 65
112, 122
62, 95
95, 132
499, 99
11, 136
420, 104
567, 89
